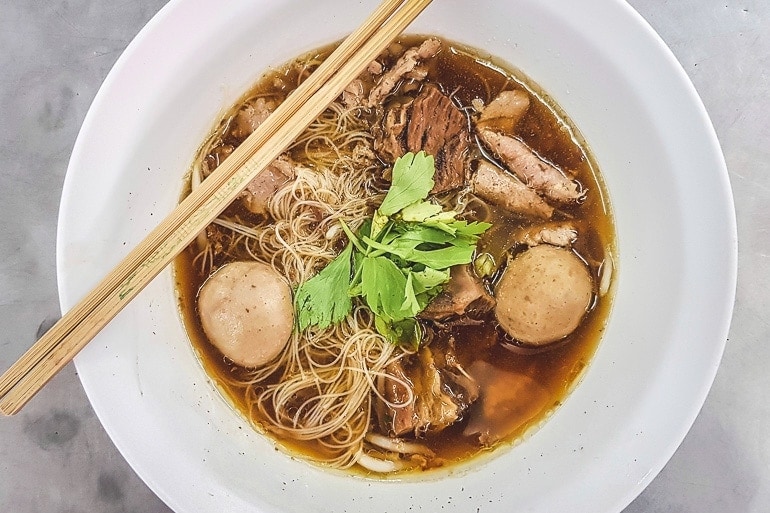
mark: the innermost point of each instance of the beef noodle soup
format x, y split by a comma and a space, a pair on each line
423, 276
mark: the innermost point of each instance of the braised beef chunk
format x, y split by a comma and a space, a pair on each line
439, 128
462, 295
389, 141
431, 123
441, 392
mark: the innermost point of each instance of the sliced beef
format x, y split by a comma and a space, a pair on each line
258, 193
406, 64
463, 294
250, 117
439, 128
546, 179
353, 94
505, 190
430, 123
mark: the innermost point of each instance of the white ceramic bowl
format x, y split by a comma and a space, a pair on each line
676, 236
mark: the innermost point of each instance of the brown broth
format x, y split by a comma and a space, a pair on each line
466, 75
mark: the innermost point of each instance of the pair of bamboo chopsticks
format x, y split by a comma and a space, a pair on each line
78, 326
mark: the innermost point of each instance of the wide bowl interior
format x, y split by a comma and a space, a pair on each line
676, 239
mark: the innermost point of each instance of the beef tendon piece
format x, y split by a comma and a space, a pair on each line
431, 123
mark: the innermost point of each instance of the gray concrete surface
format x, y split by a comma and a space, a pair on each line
54, 54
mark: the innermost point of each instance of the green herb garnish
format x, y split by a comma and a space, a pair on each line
397, 263
331, 284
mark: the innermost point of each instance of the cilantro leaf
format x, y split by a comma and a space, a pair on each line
410, 304
397, 262
458, 228
429, 279
323, 300
421, 288
412, 181
382, 287
422, 234
441, 258
419, 211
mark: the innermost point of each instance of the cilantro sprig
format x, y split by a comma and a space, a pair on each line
397, 262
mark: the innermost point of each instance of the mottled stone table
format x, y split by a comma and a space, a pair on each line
54, 54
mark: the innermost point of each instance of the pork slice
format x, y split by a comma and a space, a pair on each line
501, 188
463, 294
405, 64
546, 179
258, 193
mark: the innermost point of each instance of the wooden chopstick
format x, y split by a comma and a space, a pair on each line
78, 326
